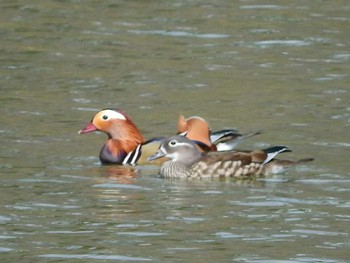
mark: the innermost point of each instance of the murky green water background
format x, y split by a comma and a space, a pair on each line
279, 66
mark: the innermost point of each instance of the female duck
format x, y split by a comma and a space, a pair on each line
186, 161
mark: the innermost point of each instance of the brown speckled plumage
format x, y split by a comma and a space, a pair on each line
187, 162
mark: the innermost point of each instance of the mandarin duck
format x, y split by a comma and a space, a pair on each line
197, 129
186, 161
125, 143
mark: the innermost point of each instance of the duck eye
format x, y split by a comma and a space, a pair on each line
105, 117
172, 143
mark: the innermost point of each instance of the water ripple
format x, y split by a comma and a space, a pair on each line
5, 249
142, 234
56, 206
318, 232
4, 219
306, 201
123, 186
332, 144
263, 203
272, 43
70, 232
94, 256
183, 248
178, 34
32, 180
276, 7
323, 181
227, 235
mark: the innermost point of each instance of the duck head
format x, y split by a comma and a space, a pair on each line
178, 149
196, 129
115, 123
123, 135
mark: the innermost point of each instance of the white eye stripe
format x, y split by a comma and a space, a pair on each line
113, 115
175, 143
182, 143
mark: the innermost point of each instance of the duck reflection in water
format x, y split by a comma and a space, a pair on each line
119, 173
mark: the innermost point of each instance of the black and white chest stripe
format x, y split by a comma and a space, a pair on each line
132, 157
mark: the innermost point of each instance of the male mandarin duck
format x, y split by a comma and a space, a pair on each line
125, 141
126, 145
197, 129
186, 161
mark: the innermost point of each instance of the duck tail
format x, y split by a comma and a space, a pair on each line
273, 151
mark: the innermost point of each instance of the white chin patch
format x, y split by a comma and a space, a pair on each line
173, 156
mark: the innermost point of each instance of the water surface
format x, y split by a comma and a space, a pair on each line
280, 67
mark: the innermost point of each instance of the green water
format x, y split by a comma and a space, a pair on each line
280, 67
